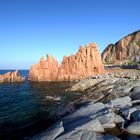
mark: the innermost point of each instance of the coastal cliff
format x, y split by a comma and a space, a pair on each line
125, 51
86, 62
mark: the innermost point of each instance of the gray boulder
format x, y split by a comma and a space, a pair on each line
86, 111
120, 102
135, 93
110, 120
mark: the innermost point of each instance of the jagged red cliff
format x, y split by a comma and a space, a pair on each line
86, 62
125, 51
44, 70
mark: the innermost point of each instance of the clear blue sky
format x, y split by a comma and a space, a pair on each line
30, 29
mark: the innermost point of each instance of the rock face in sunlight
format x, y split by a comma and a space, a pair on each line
125, 51
44, 70
86, 62
11, 77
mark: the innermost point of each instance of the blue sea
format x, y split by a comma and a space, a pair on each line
24, 109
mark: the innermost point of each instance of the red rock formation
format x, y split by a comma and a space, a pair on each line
125, 51
87, 62
45, 70
11, 77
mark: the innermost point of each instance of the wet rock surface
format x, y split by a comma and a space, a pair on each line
112, 110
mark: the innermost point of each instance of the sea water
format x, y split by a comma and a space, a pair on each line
25, 109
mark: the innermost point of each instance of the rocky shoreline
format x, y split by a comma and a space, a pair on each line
108, 109
111, 109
